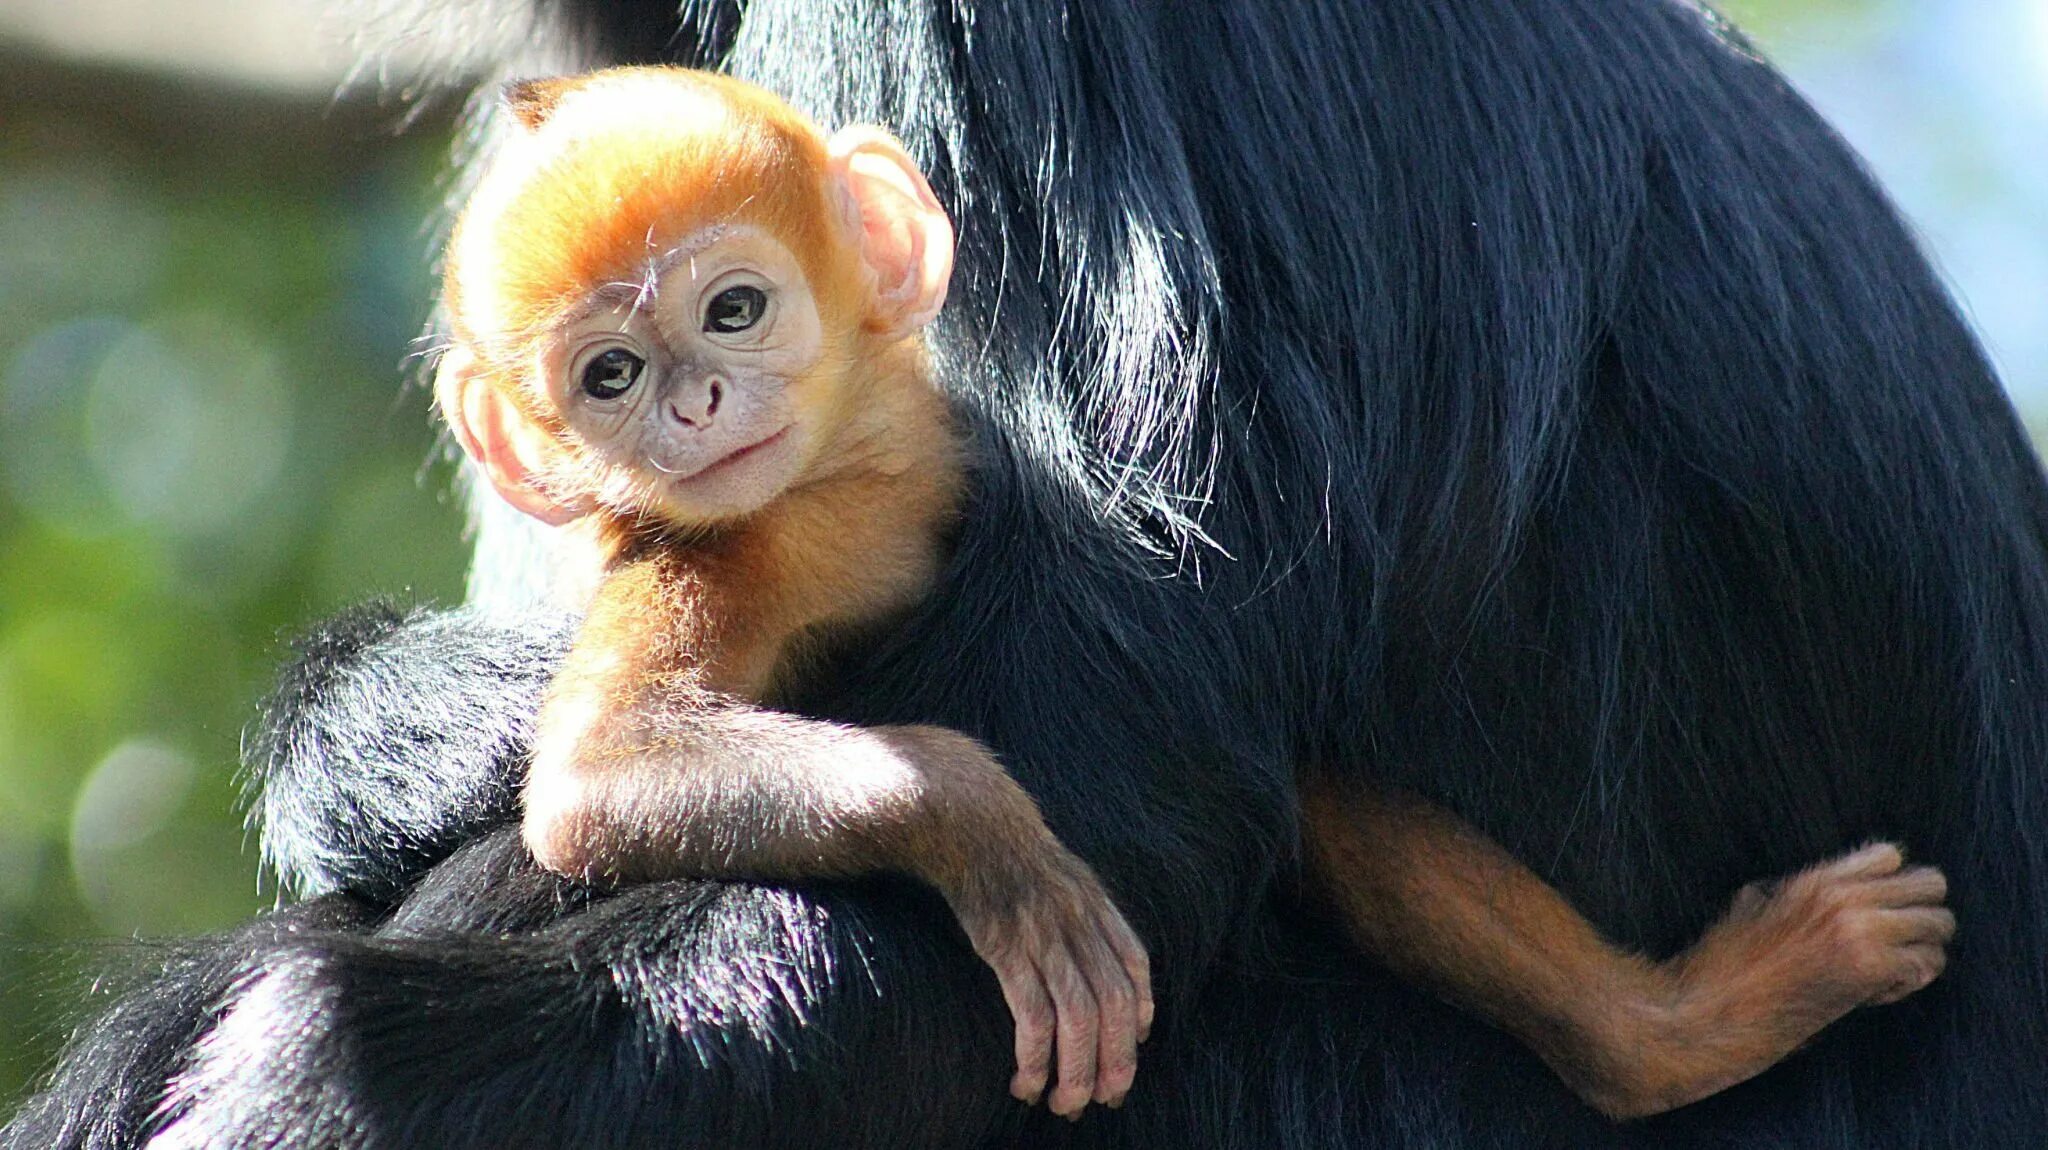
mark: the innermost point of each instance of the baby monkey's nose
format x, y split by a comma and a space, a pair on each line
696, 406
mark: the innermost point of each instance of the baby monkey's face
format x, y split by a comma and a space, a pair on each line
687, 385
674, 299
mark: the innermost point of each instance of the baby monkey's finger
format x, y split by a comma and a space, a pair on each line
1075, 1021
1031, 1010
1918, 925
1914, 886
1872, 860
1116, 1001
1137, 966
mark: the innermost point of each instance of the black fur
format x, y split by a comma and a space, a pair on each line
432, 711
1534, 404
106, 1092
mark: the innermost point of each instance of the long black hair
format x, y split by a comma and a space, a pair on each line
1532, 405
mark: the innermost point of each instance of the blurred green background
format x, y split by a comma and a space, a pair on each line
209, 280
206, 293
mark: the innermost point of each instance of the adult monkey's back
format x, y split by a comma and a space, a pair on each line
1529, 404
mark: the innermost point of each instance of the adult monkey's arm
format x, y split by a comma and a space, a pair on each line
674, 1006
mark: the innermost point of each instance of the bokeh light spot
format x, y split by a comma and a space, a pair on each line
187, 423
129, 803
130, 796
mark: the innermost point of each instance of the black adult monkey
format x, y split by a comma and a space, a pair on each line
1531, 405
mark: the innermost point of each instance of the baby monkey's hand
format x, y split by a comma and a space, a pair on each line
1074, 973
1789, 958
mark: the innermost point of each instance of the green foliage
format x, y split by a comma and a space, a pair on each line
1769, 20
204, 305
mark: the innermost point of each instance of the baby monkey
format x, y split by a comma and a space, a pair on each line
680, 310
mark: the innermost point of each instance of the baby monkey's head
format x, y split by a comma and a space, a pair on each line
671, 296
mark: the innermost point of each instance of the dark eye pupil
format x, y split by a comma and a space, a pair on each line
735, 309
611, 373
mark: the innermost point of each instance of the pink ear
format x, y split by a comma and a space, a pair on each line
510, 449
905, 236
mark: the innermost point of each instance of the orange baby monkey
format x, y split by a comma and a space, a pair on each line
682, 311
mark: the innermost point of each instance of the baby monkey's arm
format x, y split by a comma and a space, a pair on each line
719, 364
641, 772
1440, 903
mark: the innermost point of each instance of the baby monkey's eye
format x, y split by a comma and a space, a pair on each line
735, 309
611, 373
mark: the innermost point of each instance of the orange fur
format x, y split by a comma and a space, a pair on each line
652, 757
616, 169
858, 542
1439, 903
669, 152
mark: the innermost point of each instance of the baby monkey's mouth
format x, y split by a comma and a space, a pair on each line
736, 456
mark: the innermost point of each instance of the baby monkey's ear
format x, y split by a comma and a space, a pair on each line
516, 454
905, 237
